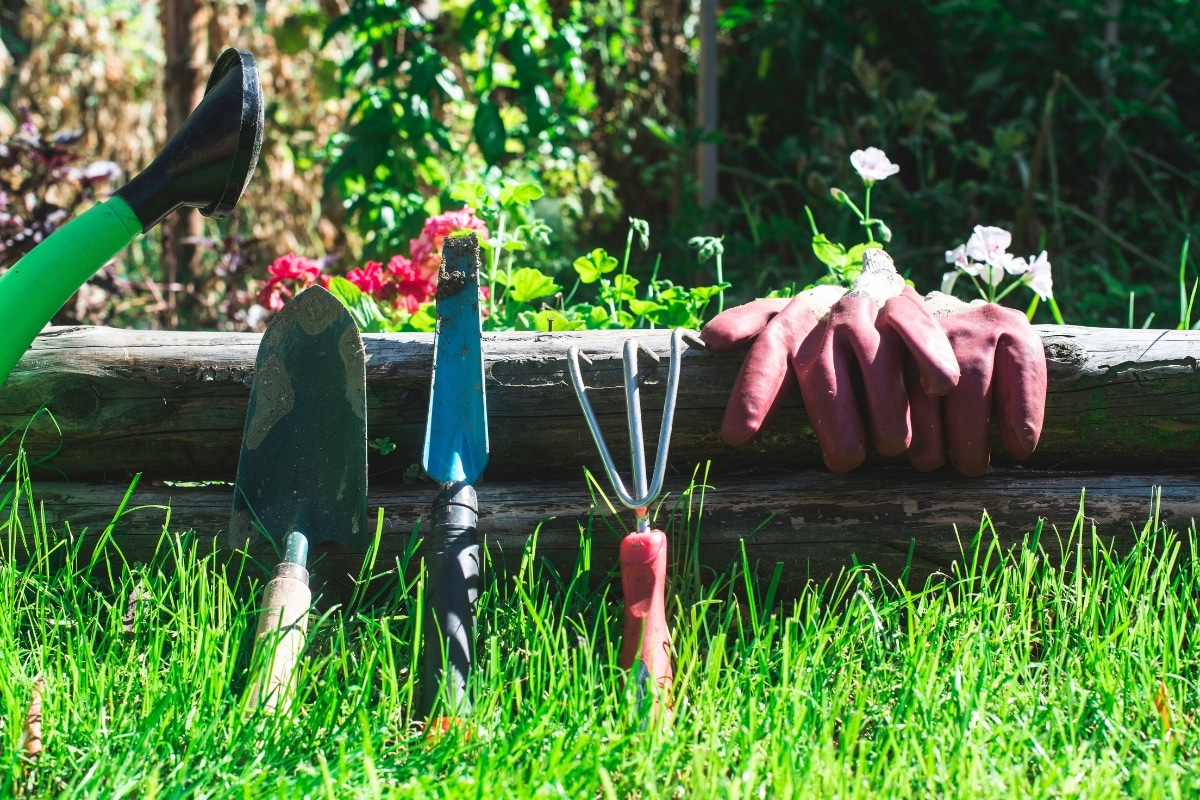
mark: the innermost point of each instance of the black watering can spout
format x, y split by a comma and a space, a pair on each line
210, 159
206, 165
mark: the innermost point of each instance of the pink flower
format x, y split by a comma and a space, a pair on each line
409, 288
370, 279
304, 272
426, 249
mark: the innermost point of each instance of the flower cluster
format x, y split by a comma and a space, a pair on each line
399, 283
404, 283
985, 256
426, 250
288, 275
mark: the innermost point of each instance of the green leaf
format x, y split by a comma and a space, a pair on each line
597, 318
594, 264
855, 254
644, 307
702, 294
521, 194
362, 307
513, 246
527, 284
831, 254
425, 319
621, 289
544, 320
473, 194
489, 132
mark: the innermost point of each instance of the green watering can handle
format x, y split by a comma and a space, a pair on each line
41, 282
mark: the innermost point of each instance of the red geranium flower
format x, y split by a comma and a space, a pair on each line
301, 271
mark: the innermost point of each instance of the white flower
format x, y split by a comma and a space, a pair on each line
957, 257
948, 279
1039, 277
872, 164
992, 273
990, 245
1014, 265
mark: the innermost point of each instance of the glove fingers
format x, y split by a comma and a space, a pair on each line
764, 378
739, 326
880, 358
1020, 390
909, 317
927, 451
825, 368
967, 410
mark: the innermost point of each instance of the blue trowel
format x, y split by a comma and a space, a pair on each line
456, 452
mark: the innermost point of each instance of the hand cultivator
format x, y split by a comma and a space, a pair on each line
206, 165
302, 472
645, 639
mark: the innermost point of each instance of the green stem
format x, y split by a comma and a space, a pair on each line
866, 218
571, 294
495, 265
1058, 317
846, 199
625, 263
1032, 309
812, 222
1022, 282
978, 288
720, 280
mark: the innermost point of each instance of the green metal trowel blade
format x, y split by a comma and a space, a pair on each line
456, 434
303, 465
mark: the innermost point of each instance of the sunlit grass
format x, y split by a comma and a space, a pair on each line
1011, 677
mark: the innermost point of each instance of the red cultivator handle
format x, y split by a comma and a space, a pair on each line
645, 640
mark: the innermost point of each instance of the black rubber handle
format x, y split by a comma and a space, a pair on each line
452, 587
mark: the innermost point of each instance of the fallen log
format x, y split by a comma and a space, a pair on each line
172, 405
813, 522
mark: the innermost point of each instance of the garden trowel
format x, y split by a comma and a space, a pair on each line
302, 472
456, 451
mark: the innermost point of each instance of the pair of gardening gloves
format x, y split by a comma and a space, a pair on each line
931, 371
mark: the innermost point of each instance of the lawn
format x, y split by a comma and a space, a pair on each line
1013, 676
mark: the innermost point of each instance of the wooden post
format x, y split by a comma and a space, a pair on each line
185, 25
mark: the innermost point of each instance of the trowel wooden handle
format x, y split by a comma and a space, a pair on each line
282, 626
645, 639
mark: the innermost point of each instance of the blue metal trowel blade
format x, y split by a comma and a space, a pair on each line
456, 434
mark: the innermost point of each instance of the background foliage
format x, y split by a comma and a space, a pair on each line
1072, 123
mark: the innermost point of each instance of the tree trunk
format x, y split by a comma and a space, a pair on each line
185, 25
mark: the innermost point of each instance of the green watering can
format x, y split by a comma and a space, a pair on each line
206, 165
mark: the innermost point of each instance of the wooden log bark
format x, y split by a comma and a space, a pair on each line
814, 522
172, 405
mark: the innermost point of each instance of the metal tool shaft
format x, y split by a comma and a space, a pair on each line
645, 493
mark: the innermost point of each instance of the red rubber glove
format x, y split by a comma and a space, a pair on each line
825, 335
1002, 362
907, 361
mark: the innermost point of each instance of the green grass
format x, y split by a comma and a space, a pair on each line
1009, 678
